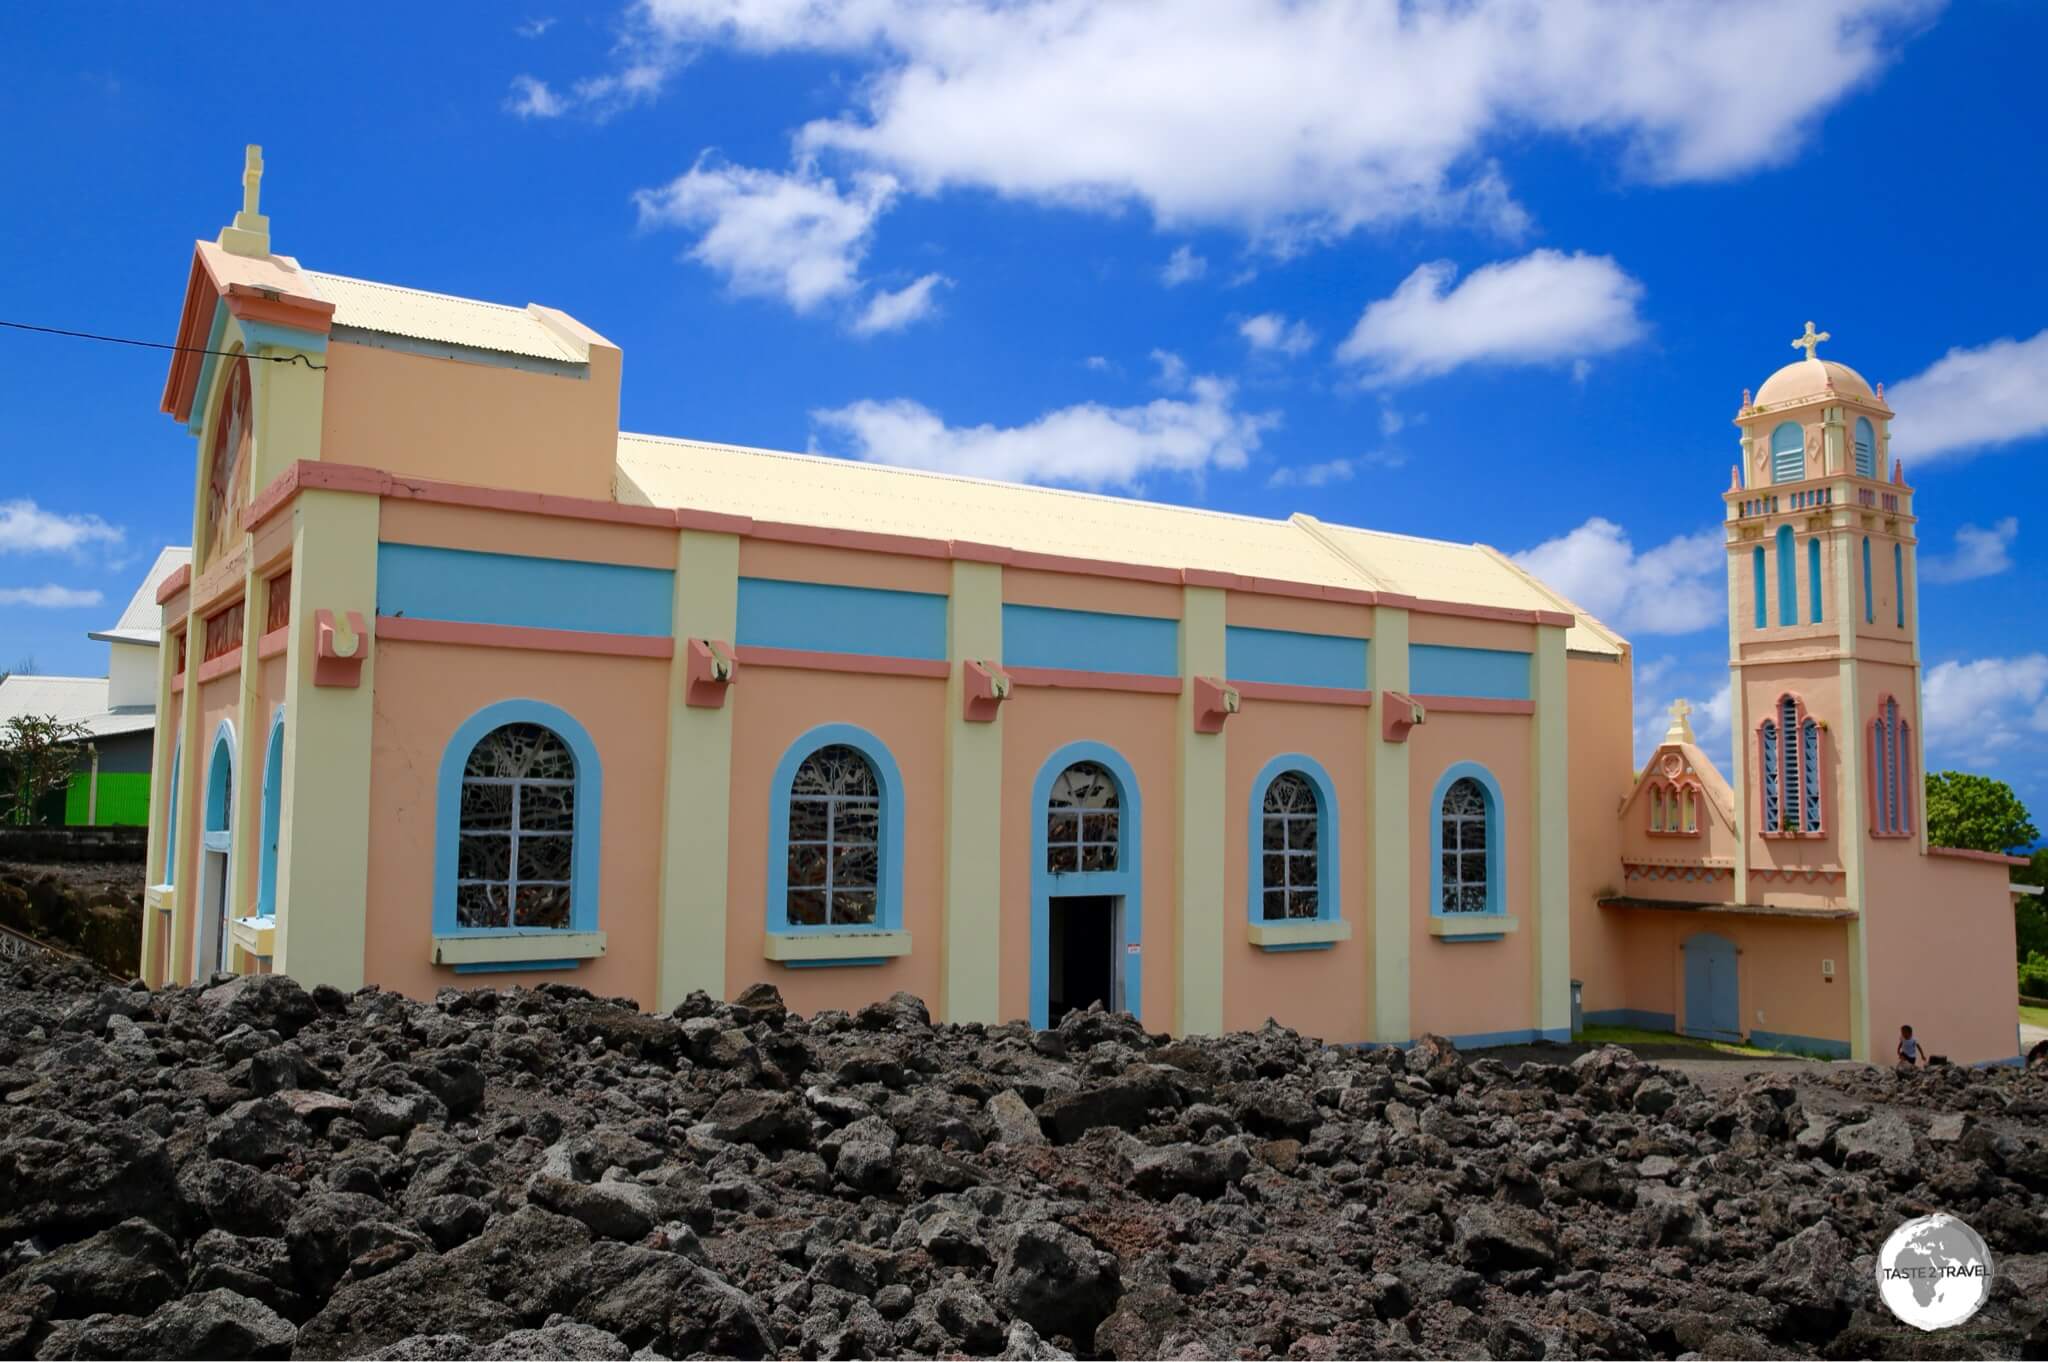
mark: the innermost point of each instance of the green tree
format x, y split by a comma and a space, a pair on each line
1976, 813
36, 759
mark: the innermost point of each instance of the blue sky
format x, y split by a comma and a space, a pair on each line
1485, 271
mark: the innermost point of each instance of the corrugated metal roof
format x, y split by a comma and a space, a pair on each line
142, 619
442, 318
844, 494
71, 700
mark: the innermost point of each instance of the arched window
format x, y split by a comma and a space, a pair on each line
835, 827
1692, 814
1656, 808
1813, 610
1899, 581
514, 865
1290, 842
1756, 562
1891, 771
1788, 578
171, 821
1788, 453
1866, 448
226, 469
273, 818
1467, 847
1869, 604
1082, 816
1788, 746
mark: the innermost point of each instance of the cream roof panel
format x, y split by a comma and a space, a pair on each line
439, 317
843, 494
142, 620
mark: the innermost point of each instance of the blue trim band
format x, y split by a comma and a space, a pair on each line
466, 587
1126, 881
889, 851
1480, 673
1328, 820
586, 832
1813, 1045
1090, 641
834, 964
1496, 835
202, 391
1636, 1017
1283, 657
841, 619
511, 966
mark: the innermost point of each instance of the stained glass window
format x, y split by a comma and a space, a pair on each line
1768, 745
1081, 813
835, 827
1891, 772
231, 429
518, 830
1292, 856
1466, 832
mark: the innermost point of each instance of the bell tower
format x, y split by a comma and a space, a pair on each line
1823, 639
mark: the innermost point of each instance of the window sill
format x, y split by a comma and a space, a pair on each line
1305, 935
256, 935
162, 897
501, 950
1472, 926
800, 950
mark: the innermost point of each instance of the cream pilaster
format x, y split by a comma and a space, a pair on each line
1199, 825
971, 950
252, 736
696, 805
1550, 847
323, 850
1390, 904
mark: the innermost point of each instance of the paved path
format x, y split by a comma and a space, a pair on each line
2030, 1036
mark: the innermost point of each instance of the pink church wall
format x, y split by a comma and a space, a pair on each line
401, 521
490, 425
1458, 631
1321, 993
1070, 591
819, 563
1778, 972
1600, 703
772, 707
1940, 945
1036, 722
424, 692
1471, 987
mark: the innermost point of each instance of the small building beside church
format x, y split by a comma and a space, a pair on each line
469, 686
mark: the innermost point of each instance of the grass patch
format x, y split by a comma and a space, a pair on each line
2034, 1016
1634, 1037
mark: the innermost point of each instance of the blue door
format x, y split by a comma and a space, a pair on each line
1711, 1008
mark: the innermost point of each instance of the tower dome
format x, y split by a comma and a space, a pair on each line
1811, 378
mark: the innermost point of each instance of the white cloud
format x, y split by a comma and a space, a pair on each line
1978, 553
1543, 308
894, 311
1099, 363
795, 237
1173, 370
1972, 400
1273, 332
1662, 680
1182, 267
1314, 474
1675, 588
48, 597
1977, 711
1087, 445
531, 98
27, 528
1302, 119
533, 28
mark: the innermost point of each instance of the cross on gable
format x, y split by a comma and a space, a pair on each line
1811, 340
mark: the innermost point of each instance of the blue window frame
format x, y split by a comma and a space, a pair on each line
1788, 453
1126, 881
1291, 874
862, 835
1866, 448
1788, 577
273, 819
1756, 562
1899, 581
1869, 604
464, 806
1813, 607
1466, 868
218, 814
171, 821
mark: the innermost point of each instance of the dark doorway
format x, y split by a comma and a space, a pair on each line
1082, 955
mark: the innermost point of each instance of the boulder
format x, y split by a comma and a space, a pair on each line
1055, 1280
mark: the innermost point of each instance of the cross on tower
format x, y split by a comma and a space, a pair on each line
1811, 340
1681, 727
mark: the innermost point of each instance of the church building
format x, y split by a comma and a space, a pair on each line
464, 685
